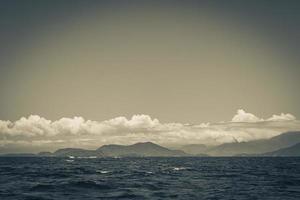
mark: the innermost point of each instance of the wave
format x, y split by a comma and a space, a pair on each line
102, 171
180, 168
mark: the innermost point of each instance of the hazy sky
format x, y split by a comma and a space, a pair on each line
179, 61
170, 72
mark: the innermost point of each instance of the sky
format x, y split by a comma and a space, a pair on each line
185, 63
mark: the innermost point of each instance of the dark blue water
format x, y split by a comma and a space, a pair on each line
150, 178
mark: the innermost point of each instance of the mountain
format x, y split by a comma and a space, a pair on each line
289, 151
272, 146
195, 149
147, 149
256, 147
76, 152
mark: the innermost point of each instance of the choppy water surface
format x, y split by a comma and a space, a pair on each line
150, 178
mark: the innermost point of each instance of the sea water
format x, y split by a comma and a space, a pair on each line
41, 178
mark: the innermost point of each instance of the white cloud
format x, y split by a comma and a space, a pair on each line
73, 126
202, 125
243, 116
33, 125
282, 117
78, 132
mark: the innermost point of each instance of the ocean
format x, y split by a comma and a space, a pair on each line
45, 178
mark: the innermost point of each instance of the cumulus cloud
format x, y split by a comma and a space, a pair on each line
242, 116
36, 131
282, 117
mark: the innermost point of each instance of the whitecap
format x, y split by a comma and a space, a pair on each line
179, 168
92, 157
102, 171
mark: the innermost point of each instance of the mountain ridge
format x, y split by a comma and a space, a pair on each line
288, 151
150, 149
257, 146
144, 149
254, 147
141, 149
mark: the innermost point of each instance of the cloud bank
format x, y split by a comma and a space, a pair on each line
242, 116
36, 133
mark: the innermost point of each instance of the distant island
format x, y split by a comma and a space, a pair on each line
285, 144
146, 149
262, 147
